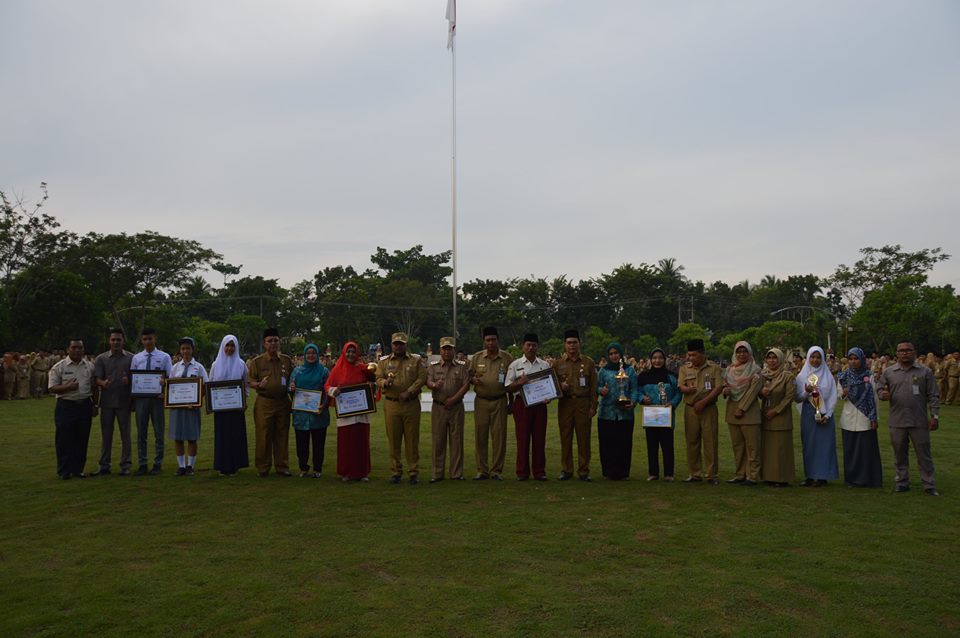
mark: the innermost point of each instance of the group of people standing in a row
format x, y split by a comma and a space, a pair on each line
25, 375
758, 411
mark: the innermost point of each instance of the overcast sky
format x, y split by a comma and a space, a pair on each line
742, 138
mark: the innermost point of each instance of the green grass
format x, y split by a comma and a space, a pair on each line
245, 556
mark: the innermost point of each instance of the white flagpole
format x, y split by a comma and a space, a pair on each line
451, 41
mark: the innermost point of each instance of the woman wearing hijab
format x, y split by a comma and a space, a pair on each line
229, 428
310, 427
776, 444
817, 428
657, 386
741, 387
615, 419
858, 424
353, 432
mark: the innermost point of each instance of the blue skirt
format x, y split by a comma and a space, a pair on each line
185, 424
819, 446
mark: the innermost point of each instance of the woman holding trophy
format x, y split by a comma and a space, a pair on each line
657, 386
617, 387
816, 393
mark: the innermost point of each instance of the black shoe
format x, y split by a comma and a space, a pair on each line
395, 480
540, 478
749, 483
436, 480
820, 483
284, 473
480, 477
181, 471
564, 476
64, 477
142, 470
713, 481
931, 491
736, 480
586, 478
263, 474
103, 471
155, 470
414, 480
523, 478
902, 488
692, 479
190, 471
457, 478
125, 472
496, 477
807, 483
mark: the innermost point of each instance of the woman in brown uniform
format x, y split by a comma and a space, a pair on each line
741, 385
777, 395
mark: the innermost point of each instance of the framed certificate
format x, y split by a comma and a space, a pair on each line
540, 387
146, 383
657, 416
183, 392
225, 396
355, 399
308, 400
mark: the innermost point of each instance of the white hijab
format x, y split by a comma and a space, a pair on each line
827, 385
228, 368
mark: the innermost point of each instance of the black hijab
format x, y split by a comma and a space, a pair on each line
653, 375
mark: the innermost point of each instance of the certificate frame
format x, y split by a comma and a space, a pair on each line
542, 381
367, 390
211, 400
139, 377
657, 416
183, 392
313, 401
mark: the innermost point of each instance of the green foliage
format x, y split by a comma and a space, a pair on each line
595, 342
685, 332
248, 329
880, 267
642, 345
906, 309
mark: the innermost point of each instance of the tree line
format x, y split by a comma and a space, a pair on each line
55, 284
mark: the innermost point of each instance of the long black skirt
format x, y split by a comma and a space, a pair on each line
230, 442
616, 447
861, 459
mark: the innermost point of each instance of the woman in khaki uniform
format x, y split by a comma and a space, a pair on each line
777, 395
741, 385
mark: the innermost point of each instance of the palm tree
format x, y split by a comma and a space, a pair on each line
668, 267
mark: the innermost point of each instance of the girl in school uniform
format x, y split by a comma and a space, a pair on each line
185, 422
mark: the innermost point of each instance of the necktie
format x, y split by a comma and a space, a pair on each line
149, 358
186, 369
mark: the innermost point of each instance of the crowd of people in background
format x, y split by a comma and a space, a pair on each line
826, 389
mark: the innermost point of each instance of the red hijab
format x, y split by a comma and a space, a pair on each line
346, 373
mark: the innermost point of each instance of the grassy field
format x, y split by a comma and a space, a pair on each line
212, 556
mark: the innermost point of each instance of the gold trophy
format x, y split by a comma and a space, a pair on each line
623, 401
662, 390
814, 380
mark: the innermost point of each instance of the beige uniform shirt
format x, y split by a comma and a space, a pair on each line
275, 371
408, 375
454, 375
492, 372
66, 371
580, 374
705, 379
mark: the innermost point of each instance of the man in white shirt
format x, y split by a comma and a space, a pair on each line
531, 421
71, 380
150, 409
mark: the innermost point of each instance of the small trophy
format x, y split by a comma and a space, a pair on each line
623, 401
662, 390
814, 380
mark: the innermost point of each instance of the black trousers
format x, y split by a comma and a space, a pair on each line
319, 440
657, 439
72, 420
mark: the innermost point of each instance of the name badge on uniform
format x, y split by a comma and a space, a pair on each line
501, 378
707, 385
583, 382
283, 381
916, 390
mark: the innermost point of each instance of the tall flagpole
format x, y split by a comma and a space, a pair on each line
452, 45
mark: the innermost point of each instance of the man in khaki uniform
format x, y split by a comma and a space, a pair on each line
9, 376
577, 374
24, 368
701, 382
940, 374
953, 378
449, 379
488, 374
269, 376
38, 374
400, 377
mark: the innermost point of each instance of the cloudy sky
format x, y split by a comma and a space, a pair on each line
742, 138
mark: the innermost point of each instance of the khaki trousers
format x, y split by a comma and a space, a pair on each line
700, 431
447, 424
490, 419
573, 416
746, 450
403, 424
952, 383
271, 418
